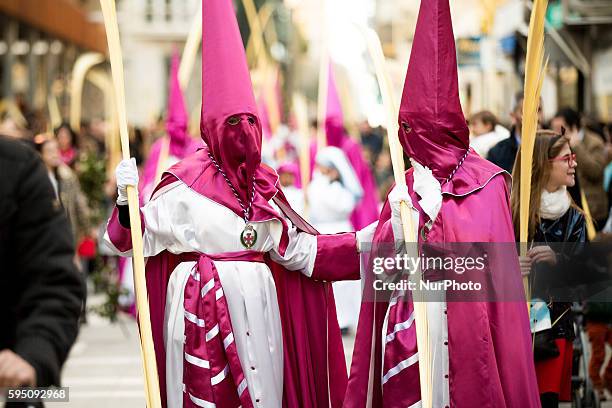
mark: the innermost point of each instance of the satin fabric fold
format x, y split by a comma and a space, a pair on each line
211, 367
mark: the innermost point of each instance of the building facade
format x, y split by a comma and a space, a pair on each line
150, 31
41, 40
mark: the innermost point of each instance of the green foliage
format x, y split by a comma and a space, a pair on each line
91, 170
105, 279
92, 177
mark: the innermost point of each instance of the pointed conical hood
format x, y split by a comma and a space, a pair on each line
227, 91
334, 119
433, 130
334, 106
177, 119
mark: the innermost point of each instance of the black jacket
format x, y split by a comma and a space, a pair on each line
41, 291
503, 153
567, 237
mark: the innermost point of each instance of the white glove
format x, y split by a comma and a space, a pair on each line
428, 188
365, 236
396, 196
126, 174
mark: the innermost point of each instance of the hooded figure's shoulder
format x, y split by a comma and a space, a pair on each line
474, 174
268, 171
191, 167
187, 171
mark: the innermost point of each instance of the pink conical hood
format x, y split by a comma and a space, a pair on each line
334, 119
433, 129
227, 91
177, 119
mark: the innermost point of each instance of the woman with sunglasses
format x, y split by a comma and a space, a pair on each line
553, 219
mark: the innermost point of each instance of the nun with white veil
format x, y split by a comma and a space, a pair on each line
332, 194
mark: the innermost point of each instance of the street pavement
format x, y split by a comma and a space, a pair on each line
104, 368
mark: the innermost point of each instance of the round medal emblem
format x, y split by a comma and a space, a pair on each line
248, 238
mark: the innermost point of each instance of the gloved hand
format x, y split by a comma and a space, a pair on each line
428, 189
365, 236
396, 196
126, 174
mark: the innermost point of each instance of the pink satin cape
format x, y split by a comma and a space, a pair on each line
489, 343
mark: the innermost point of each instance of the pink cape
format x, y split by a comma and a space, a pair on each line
489, 343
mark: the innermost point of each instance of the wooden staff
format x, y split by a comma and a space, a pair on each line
322, 99
164, 153
190, 51
259, 58
55, 117
102, 81
349, 112
323, 80
264, 16
408, 225
146, 338
194, 121
270, 80
9, 106
255, 27
300, 109
534, 77
82, 65
590, 226
188, 58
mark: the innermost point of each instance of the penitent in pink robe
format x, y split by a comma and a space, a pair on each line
483, 352
284, 322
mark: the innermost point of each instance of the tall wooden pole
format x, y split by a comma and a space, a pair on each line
190, 51
534, 77
146, 338
82, 65
408, 223
300, 110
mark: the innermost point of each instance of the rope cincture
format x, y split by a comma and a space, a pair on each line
245, 210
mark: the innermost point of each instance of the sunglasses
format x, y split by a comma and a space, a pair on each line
569, 158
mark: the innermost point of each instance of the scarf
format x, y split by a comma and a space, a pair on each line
554, 205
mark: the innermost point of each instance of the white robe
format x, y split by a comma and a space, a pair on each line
330, 206
180, 220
